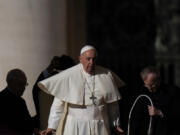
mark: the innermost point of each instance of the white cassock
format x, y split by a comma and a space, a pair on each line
85, 116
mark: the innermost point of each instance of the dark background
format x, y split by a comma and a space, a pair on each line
131, 34
124, 33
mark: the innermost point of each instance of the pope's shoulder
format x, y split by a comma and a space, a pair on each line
102, 70
75, 68
70, 70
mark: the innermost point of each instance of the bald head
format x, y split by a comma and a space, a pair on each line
17, 81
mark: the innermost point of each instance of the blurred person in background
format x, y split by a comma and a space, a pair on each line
164, 111
42, 100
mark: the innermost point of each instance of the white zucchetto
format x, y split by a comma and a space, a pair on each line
86, 48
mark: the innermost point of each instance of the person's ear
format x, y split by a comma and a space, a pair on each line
80, 58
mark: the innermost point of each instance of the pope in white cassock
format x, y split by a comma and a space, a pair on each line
85, 100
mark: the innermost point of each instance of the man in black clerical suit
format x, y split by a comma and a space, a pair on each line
164, 111
14, 116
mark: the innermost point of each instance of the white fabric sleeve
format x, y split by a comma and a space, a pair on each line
114, 114
55, 113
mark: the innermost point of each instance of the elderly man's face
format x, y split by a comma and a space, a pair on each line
87, 59
152, 82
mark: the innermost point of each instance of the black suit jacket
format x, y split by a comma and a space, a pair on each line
166, 99
14, 116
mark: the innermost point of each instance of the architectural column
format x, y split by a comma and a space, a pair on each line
76, 26
31, 33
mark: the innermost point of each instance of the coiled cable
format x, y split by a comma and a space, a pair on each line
150, 121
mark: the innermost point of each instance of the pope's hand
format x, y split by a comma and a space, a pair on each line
48, 131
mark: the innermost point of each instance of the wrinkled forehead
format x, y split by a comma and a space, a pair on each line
90, 53
152, 77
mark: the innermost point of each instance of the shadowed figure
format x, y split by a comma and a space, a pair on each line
57, 64
14, 116
164, 111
